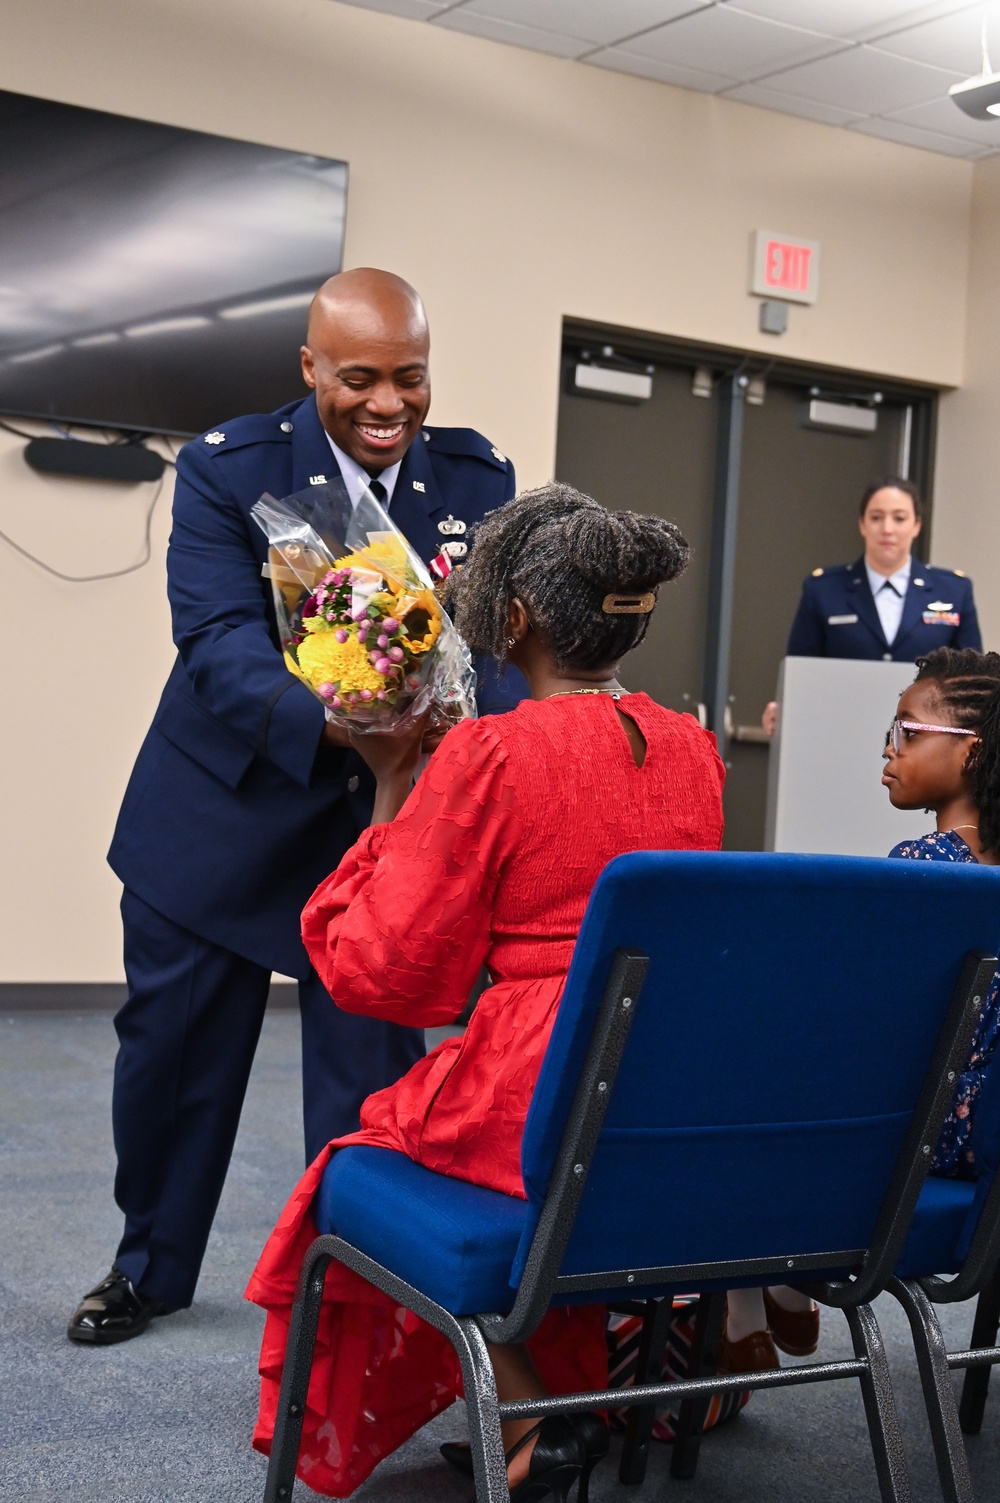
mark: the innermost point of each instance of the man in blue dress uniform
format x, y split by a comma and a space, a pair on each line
887, 606
243, 798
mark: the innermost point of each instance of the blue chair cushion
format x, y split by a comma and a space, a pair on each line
932, 1246
454, 1241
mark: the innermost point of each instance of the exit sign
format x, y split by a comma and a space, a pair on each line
783, 267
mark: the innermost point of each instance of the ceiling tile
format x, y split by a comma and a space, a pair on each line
516, 36
594, 21
412, 10
865, 80
856, 20
951, 42
945, 118
787, 104
652, 67
726, 40
909, 135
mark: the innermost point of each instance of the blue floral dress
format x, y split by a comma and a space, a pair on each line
955, 1155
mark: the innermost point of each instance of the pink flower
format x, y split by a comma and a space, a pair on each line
328, 691
383, 640
310, 608
390, 625
365, 694
382, 665
381, 694
396, 654
340, 635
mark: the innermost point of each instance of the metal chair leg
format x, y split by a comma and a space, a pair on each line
939, 1396
880, 1406
482, 1405
977, 1379
295, 1379
649, 1363
694, 1412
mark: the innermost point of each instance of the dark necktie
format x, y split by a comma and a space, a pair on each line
379, 491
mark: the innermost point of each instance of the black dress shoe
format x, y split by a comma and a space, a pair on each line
590, 1429
114, 1311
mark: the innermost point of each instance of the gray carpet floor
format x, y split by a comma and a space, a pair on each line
168, 1416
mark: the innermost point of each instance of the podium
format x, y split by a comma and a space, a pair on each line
824, 795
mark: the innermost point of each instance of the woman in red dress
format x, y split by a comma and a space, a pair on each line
490, 859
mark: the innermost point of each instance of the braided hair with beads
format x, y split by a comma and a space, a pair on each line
968, 683
560, 553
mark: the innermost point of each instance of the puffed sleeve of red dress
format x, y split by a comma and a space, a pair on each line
401, 928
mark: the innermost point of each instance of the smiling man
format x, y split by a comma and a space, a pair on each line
242, 798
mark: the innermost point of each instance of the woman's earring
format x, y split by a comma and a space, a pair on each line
511, 642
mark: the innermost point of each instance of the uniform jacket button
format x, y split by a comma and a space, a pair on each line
887, 657
352, 784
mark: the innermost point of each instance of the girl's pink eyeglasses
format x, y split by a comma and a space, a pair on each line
894, 734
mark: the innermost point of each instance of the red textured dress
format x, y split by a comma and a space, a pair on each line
491, 860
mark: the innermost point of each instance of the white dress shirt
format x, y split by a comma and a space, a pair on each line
890, 596
355, 478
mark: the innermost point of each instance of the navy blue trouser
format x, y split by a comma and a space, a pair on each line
186, 1042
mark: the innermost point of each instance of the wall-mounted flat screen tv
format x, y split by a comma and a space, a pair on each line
154, 279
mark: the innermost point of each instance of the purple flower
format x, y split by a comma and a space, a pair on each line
310, 608
396, 654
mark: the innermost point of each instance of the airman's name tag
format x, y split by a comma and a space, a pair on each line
841, 620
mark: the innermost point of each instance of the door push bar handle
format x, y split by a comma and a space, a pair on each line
752, 733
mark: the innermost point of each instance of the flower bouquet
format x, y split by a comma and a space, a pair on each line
358, 619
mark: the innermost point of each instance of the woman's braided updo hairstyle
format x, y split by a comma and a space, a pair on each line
560, 553
968, 683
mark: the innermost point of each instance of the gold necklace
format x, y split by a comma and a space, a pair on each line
965, 827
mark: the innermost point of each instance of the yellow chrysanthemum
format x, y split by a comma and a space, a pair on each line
385, 556
324, 660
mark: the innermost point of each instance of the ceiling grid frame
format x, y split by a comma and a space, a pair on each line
882, 68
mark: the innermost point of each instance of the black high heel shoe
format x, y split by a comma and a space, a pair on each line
557, 1460
590, 1428
593, 1433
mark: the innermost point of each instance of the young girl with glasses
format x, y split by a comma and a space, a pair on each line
942, 754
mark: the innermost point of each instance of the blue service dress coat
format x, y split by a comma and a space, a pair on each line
235, 812
837, 616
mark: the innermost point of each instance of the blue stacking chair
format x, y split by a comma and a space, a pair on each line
744, 1081
956, 1231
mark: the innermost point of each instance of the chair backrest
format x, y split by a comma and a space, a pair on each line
786, 1026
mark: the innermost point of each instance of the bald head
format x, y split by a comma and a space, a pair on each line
366, 359
369, 296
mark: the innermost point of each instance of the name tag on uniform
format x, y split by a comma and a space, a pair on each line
942, 618
841, 620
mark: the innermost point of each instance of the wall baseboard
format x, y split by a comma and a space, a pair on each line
97, 996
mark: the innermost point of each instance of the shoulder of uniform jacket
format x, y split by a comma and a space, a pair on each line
239, 433
830, 571
464, 441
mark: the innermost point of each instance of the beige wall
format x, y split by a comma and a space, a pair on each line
966, 519
512, 189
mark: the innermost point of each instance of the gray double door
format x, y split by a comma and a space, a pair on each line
762, 496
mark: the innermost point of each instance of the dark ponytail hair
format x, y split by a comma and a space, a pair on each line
968, 683
560, 553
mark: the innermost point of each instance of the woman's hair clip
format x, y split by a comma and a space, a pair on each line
628, 605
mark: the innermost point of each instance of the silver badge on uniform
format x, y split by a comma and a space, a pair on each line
317, 480
215, 438
456, 550
452, 527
